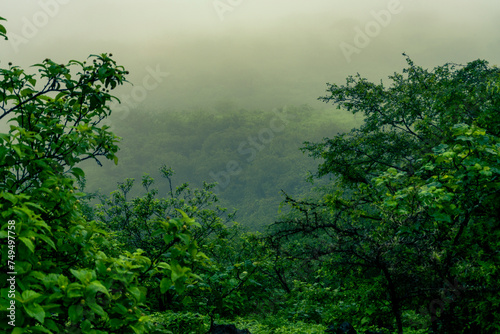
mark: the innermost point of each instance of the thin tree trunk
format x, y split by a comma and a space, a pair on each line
396, 310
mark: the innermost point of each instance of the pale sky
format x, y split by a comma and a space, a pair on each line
255, 53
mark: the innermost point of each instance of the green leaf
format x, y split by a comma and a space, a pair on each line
136, 330
28, 244
35, 311
83, 275
29, 295
35, 205
165, 284
96, 286
47, 240
74, 290
115, 323
95, 307
184, 215
22, 267
120, 309
136, 293
187, 300
18, 150
27, 91
185, 238
78, 172
75, 313
51, 325
9, 197
163, 265
177, 272
86, 326
49, 280
180, 285
61, 94
62, 280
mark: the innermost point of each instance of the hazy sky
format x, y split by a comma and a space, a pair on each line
255, 53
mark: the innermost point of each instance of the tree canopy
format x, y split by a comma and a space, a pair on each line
414, 203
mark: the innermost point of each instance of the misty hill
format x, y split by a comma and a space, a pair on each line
252, 154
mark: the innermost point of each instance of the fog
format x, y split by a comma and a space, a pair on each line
256, 54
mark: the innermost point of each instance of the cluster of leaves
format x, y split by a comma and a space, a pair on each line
276, 324
136, 221
234, 284
185, 322
3, 31
71, 275
230, 272
141, 222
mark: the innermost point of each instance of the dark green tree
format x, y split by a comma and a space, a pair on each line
65, 278
413, 205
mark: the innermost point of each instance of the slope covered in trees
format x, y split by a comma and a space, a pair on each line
252, 154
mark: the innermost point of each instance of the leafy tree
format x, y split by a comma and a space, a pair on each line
139, 222
231, 280
453, 200
234, 283
66, 281
412, 206
406, 120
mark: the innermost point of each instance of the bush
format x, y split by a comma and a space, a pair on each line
180, 323
66, 279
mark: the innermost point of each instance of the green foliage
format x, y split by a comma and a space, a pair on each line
233, 284
275, 324
136, 220
309, 302
180, 323
66, 280
229, 279
406, 120
3, 31
159, 226
414, 202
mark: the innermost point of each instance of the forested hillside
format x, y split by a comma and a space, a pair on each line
251, 154
401, 235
